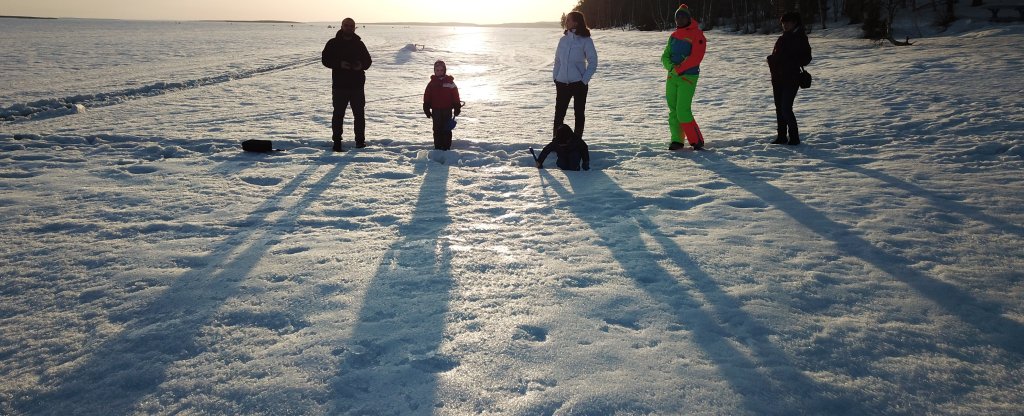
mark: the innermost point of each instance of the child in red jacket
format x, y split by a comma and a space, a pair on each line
441, 103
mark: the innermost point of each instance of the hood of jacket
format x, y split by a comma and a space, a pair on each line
796, 31
687, 31
341, 36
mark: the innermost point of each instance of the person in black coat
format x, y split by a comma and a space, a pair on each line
571, 149
348, 59
791, 52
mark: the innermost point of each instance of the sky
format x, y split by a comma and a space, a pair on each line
465, 11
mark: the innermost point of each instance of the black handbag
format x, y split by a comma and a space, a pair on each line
261, 146
804, 79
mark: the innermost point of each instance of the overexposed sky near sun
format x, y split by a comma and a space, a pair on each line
363, 11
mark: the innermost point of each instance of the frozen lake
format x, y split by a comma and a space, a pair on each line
148, 266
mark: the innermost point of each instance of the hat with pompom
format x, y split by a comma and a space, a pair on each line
683, 9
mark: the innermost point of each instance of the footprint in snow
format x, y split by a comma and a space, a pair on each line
435, 364
261, 181
629, 323
581, 282
685, 193
292, 250
140, 169
714, 185
530, 333
748, 203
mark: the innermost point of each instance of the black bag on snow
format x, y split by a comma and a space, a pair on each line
804, 78
254, 145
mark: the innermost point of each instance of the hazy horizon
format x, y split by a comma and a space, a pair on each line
468, 12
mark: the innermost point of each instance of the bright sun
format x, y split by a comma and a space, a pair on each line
482, 11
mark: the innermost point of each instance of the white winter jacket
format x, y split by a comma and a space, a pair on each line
575, 59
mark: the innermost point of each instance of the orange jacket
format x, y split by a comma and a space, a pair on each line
685, 50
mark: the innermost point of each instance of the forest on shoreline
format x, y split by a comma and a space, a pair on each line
761, 16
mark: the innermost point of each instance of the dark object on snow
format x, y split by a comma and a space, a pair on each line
572, 151
804, 79
348, 59
791, 53
441, 103
254, 145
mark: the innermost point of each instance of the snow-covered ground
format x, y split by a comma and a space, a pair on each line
149, 266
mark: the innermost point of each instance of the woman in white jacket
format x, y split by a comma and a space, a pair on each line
575, 64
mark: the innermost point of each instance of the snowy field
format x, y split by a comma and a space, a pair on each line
148, 266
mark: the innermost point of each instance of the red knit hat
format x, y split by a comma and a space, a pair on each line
683, 8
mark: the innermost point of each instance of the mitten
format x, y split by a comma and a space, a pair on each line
458, 109
426, 110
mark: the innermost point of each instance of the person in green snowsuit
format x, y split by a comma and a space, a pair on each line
681, 58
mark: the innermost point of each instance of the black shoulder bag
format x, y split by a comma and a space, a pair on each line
804, 78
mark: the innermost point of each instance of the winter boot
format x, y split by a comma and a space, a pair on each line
675, 146
781, 140
793, 141
693, 134
337, 145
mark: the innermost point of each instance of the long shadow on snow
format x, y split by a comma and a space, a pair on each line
765, 379
936, 198
391, 362
122, 371
985, 316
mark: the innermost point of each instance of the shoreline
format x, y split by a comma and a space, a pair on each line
28, 17
250, 21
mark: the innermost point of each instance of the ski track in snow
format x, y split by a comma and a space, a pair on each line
150, 266
57, 107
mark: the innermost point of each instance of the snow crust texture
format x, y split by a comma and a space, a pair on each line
149, 266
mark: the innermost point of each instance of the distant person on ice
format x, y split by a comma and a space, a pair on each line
792, 51
441, 103
575, 65
681, 58
571, 149
348, 59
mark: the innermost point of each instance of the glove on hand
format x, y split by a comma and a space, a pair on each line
426, 110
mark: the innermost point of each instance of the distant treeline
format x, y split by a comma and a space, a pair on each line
253, 21
27, 17
750, 16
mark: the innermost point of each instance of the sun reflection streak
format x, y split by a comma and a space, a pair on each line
475, 77
469, 40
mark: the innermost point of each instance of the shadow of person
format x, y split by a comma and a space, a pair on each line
123, 370
390, 363
986, 317
946, 202
763, 376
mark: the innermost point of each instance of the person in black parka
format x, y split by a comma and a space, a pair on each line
792, 51
571, 149
348, 59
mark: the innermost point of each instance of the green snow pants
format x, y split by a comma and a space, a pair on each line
679, 92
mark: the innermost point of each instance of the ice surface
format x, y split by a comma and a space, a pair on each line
149, 266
